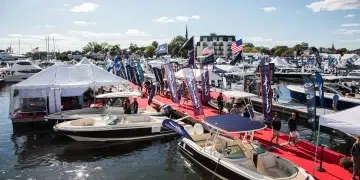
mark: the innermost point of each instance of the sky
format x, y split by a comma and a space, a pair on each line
74, 23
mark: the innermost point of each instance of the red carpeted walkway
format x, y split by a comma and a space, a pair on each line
303, 155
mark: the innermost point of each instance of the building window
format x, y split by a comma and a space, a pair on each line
205, 39
220, 38
214, 38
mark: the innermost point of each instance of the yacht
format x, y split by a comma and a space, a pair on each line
4, 56
114, 128
230, 158
22, 69
297, 93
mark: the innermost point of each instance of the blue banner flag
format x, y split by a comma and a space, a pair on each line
210, 59
191, 62
171, 82
205, 84
128, 73
310, 100
170, 124
158, 75
140, 71
152, 94
320, 83
193, 90
162, 49
266, 93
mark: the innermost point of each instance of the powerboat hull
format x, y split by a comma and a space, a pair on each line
126, 134
300, 96
16, 78
208, 164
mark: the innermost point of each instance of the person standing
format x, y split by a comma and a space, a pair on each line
135, 106
292, 129
220, 102
126, 106
276, 126
355, 157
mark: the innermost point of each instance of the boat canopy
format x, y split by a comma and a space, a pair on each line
238, 94
197, 74
233, 123
84, 60
279, 62
346, 121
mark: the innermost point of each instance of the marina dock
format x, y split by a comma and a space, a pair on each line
303, 155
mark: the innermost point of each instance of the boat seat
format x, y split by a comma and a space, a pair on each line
82, 122
275, 172
201, 137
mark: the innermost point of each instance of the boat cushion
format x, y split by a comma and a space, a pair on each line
268, 161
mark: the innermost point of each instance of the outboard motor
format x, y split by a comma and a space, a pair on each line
166, 109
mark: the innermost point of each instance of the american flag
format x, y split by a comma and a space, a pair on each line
237, 46
35, 50
207, 51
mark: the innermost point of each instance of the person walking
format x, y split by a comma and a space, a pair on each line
276, 126
220, 102
355, 157
135, 106
293, 129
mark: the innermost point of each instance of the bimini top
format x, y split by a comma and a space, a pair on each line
232, 123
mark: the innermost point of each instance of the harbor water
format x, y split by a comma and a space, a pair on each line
42, 155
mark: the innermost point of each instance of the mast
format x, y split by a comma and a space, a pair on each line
19, 47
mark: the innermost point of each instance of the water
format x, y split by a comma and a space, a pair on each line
42, 155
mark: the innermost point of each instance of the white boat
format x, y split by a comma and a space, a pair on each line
4, 56
229, 158
114, 128
21, 70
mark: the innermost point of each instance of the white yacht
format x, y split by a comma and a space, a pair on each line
4, 56
22, 69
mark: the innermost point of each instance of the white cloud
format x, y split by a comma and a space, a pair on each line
182, 18
269, 9
66, 5
347, 31
350, 25
84, 23
164, 19
86, 7
349, 15
61, 9
49, 26
195, 17
334, 5
135, 32
14, 35
257, 39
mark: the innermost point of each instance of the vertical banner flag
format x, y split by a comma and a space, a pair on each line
266, 93
152, 93
335, 101
320, 83
177, 128
310, 100
171, 82
122, 70
158, 75
128, 72
205, 83
193, 90
140, 71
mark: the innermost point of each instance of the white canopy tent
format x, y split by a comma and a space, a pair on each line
197, 73
228, 68
84, 60
63, 81
279, 62
346, 120
220, 61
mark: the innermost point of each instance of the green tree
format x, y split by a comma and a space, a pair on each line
92, 46
115, 48
175, 45
278, 50
155, 44
287, 53
341, 51
251, 45
133, 48
149, 51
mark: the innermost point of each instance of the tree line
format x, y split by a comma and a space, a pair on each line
174, 49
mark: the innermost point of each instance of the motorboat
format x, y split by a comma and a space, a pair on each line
4, 56
229, 158
113, 106
297, 93
21, 70
290, 73
115, 128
